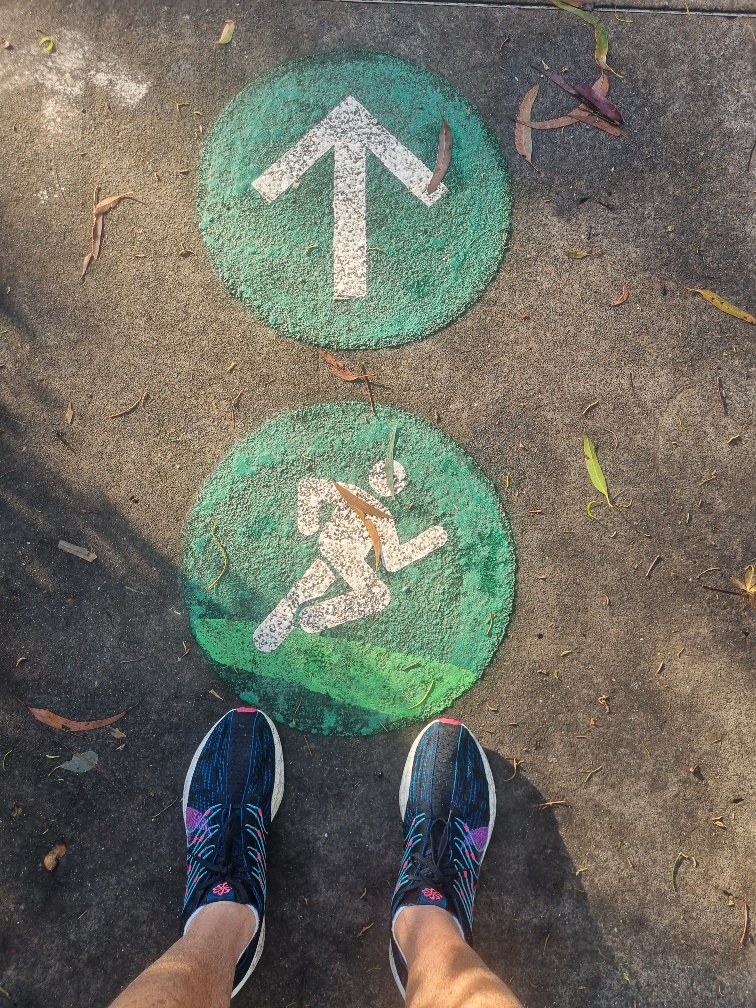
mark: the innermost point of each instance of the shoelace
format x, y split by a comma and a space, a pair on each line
224, 870
431, 867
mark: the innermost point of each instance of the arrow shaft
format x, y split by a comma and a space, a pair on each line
349, 227
351, 131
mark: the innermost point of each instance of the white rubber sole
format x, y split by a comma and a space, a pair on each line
275, 803
403, 799
394, 973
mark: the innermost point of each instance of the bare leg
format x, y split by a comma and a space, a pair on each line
277, 626
444, 972
198, 971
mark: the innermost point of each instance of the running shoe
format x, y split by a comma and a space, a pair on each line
447, 801
232, 791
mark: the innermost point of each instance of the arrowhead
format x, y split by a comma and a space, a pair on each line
349, 123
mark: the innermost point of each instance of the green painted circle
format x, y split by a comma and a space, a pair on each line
448, 611
425, 265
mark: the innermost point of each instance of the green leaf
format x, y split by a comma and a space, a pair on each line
80, 762
602, 38
724, 306
389, 463
227, 32
595, 471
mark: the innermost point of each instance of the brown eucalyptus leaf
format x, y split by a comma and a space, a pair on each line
357, 504
523, 136
65, 724
110, 202
599, 103
96, 236
443, 158
339, 369
52, 857
591, 119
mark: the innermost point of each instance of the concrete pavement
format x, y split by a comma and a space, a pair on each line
577, 904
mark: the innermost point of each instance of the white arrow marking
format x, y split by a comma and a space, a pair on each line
351, 131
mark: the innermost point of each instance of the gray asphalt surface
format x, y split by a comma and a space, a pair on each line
576, 905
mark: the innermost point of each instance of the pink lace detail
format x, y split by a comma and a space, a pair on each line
449, 720
222, 889
432, 894
247, 710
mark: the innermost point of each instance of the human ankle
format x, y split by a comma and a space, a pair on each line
227, 923
416, 926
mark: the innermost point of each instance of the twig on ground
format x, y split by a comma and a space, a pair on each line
654, 562
164, 809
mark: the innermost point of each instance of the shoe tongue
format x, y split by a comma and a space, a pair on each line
438, 838
232, 854
429, 894
222, 890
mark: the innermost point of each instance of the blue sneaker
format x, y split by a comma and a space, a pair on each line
447, 801
232, 791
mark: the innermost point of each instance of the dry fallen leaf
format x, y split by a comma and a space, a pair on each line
592, 97
117, 733
589, 118
577, 253
340, 370
358, 505
52, 857
97, 225
362, 509
599, 103
582, 114
79, 551
548, 124
722, 305
99, 209
56, 721
523, 135
621, 298
69, 414
110, 202
443, 158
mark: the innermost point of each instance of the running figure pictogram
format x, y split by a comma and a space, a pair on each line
344, 545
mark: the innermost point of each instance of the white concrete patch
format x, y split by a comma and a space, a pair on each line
126, 89
350, 130
63, 75
344, 545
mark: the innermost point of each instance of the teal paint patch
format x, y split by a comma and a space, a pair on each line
424, 265
425, 632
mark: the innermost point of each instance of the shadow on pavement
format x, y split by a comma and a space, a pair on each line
100, 638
